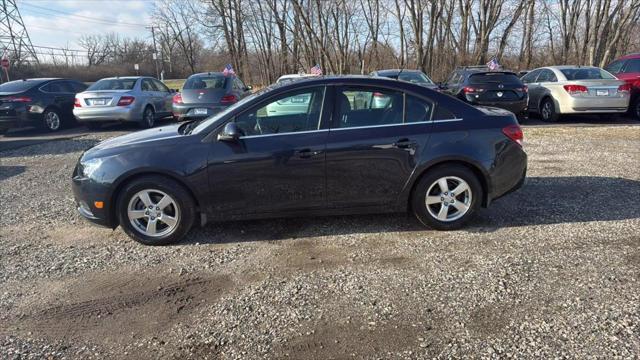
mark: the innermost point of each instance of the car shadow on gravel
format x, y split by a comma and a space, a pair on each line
563, 199
50, 147
9, 171
543, 200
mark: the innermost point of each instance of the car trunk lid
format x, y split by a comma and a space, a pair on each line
98, 98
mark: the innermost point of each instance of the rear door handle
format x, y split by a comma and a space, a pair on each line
405, 144
307, 153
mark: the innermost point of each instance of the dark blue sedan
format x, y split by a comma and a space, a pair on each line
357, 145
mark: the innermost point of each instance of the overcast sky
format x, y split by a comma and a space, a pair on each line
58, 23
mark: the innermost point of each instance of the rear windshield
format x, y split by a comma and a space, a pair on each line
586, 74
113, 84
18, 85
483, 78
205, 82
415, 77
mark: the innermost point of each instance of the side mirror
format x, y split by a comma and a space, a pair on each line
229, 133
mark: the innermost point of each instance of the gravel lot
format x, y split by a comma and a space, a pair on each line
550, 271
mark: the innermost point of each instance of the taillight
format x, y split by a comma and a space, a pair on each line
77, 103
126, 100
624, 88
378, 94
177, 98
228, 99
574, 90
472, 90
20, 99
524, 89
514, 132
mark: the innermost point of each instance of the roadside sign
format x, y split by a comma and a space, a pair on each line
136, 67
5, 63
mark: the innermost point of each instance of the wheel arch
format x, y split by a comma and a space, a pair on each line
125, 179
483, 177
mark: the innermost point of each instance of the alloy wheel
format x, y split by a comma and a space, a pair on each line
52, 120
448, 198
148, 117
547, 110
153, 213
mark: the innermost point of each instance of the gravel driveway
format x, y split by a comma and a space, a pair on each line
551, 270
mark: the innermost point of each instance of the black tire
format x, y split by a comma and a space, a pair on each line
429, 181
148, 118
635, 108
185, 211
93, 125
548, 111
52, 120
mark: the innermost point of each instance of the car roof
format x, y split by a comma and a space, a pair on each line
630, 56
125, 77
208, 73
562, 67
392, 72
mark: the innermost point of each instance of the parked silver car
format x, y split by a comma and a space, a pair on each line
559, 90
129, 99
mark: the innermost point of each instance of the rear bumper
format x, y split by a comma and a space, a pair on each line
111, 113
516, 106
18, 118
188, 111
571, 105
511, 172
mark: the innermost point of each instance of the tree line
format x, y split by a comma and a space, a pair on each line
265, 39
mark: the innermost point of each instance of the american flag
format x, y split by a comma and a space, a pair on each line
493, 64
228, 70
316, 70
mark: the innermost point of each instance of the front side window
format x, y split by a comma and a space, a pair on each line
368, 107
291, 112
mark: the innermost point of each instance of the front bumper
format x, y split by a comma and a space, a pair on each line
111, 113
85, 192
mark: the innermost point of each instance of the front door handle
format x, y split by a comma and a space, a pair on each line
307, 153
405, 144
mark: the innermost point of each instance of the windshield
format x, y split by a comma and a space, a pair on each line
18, 85
214, 118
483, 78
586, 74
113, 84
205, 82
415, 77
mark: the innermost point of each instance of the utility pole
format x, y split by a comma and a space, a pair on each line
155, 51
14, 39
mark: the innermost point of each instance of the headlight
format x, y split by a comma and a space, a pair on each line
90, 166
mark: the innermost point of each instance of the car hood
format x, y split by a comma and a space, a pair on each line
148, 137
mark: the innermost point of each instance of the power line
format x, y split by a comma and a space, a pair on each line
14, 37
38, 10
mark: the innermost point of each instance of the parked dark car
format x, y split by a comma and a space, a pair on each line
627, 68
413, 76
206, 94
481, 86
46, 103
423, 152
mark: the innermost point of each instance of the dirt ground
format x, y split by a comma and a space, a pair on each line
549, 271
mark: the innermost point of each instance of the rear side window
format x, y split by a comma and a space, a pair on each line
205, 82
633, 66
414, 77
17, 86
442, 113
113, 84
369, 107
77, 86
531, 77
160, 86
547, 76
58, 87
586, 74
417, 110
615, 67
483, 78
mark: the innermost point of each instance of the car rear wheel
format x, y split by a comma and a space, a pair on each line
155, 210
148, 118
548, 111
52, 120
447, 197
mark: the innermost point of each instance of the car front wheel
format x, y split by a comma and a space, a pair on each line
155, 210
447, 197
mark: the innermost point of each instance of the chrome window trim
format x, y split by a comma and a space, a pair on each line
351, 128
